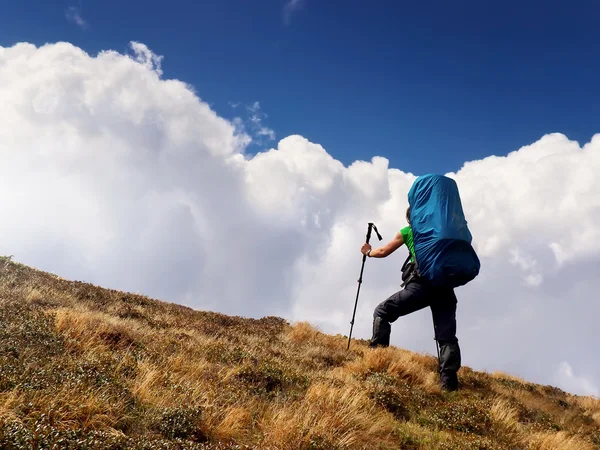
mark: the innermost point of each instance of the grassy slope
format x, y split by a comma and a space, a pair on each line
86, 367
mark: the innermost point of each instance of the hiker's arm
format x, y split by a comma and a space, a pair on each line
386, 250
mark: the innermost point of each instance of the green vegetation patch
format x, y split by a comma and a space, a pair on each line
181, 423
41, 436
463, 416
28, 345
401, 398
269, 378
537, 419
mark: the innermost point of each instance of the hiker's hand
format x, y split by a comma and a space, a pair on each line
365, 248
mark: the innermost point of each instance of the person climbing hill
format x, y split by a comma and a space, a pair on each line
430, 284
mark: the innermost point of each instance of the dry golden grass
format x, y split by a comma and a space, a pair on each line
48, 297
67, 407
148, 383
90, 330
404, 365
413, 435
506, 376
506, 416
591, 405
236, 423
110, 369
304, 333
328, 417
558, 441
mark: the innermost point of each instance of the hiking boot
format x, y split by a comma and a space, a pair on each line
377, 345
449, 382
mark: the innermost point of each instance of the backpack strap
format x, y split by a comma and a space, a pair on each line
410, 270
405, 262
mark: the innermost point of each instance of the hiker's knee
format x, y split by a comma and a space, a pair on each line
448, 341
381, 333
387, 311
379, 311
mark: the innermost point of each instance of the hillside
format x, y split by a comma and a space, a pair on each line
86, 367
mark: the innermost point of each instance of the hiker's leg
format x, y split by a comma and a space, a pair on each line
381, 332
412, 298
443, 309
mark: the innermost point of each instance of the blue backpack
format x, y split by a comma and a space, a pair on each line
442, 240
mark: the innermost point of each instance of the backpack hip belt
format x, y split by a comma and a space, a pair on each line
410, 270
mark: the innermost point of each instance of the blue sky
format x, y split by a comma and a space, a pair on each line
428, 85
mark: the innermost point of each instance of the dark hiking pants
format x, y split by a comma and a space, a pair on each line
417, 295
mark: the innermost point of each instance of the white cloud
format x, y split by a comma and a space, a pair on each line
264, 131
528, 265
148, 59
256, 118
113, 175
577, 384
73, 15
253, 125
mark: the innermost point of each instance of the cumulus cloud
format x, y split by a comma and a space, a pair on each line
111, 174
147, 58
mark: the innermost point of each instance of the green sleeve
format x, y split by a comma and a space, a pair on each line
408, 240
404, 231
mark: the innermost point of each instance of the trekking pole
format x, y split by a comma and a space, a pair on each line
437, 346
364, 258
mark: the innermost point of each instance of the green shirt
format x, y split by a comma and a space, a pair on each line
408, 240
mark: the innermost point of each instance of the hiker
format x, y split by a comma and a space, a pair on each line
416, 295
456, 266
